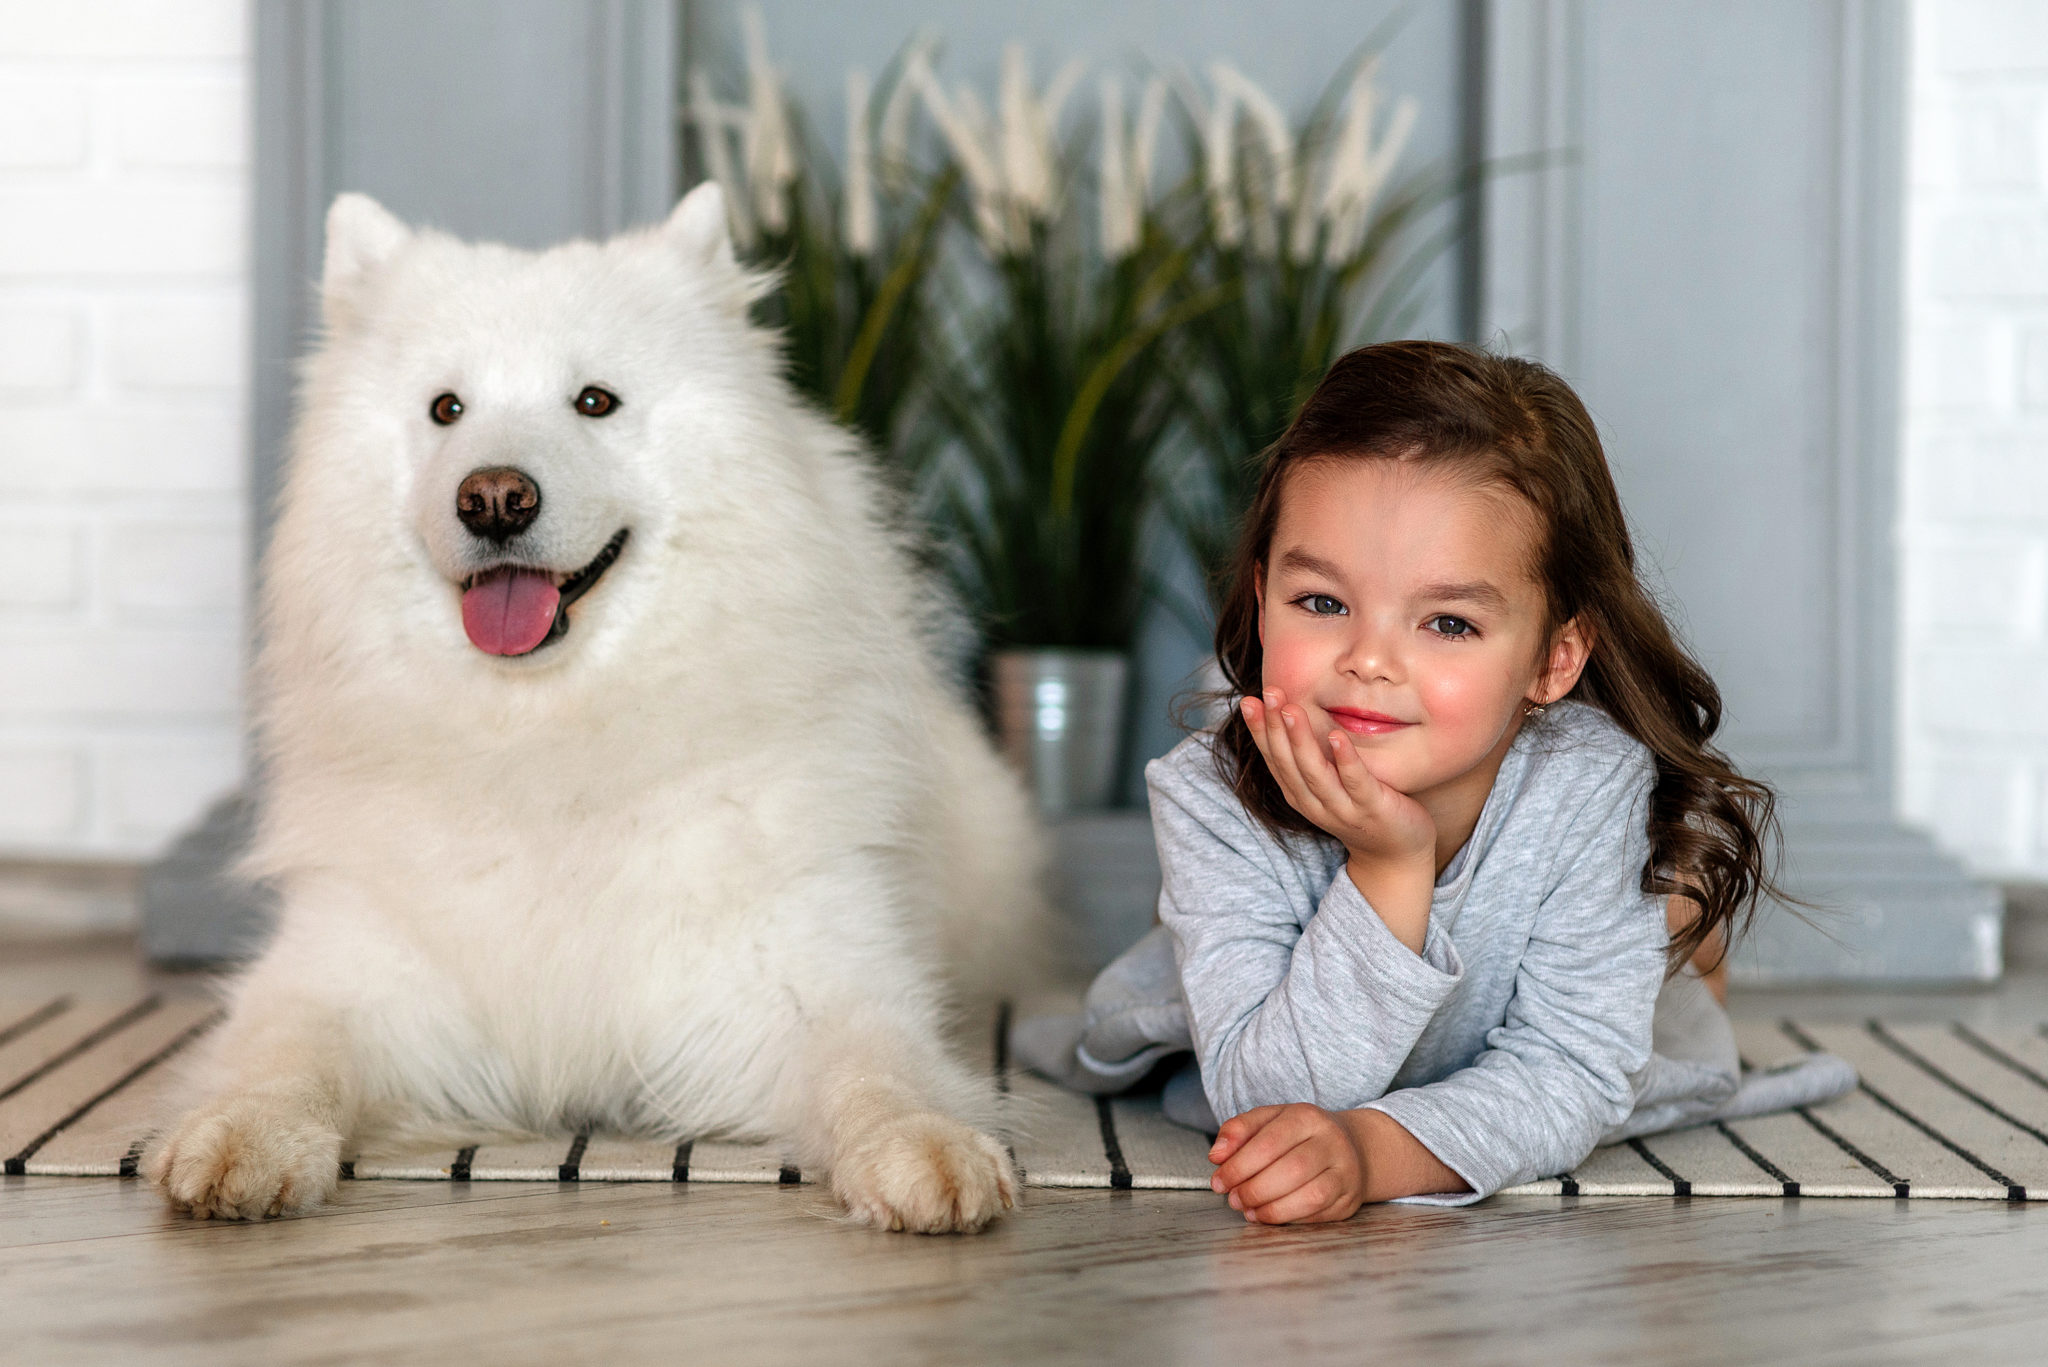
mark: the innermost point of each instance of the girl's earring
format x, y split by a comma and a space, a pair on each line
1535, 709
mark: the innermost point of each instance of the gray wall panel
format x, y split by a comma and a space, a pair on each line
1709, 346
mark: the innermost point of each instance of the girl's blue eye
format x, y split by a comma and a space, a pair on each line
1453, 627
1321, 604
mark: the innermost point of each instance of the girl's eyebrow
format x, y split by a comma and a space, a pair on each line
1296, 559
1479, 592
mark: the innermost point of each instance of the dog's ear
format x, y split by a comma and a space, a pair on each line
697, 229
361, 234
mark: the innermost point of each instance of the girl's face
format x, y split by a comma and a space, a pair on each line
1396, 603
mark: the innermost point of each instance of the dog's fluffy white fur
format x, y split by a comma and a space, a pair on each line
695, 868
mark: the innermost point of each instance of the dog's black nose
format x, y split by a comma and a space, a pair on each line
498, 503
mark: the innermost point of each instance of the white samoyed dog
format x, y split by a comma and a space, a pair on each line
612, 776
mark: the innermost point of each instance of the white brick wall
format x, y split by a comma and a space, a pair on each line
1974, 523
124, 279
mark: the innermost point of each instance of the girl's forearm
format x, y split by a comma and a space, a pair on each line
1399, 892
1396, 1162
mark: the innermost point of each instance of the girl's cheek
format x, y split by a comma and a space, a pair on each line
1290, 665
1468, 697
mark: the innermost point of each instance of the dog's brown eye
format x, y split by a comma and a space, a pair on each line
595, 403
446, 409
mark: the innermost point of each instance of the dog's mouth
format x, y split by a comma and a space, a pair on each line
517, 609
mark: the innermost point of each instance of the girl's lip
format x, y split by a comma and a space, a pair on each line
1360, 723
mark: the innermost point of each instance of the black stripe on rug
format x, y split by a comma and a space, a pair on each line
789, 1176
571, 1167
1568, 1185
1001, 1063
1743, 1146
348, 1169
458, 1171
1002, 1049
1679, 1186
17, 1165
679, 1171
2013, 1190
1900, 1186
1112, 1149
77, 1047
49, 1010
1935, 1071
1996, 1054
131, 1161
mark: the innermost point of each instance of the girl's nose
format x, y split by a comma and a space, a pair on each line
1371, 653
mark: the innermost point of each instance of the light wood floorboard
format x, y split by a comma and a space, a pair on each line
97, 1271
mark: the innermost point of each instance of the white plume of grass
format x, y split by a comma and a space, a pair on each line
1125, 166
1271, 194
1145, 136
769, 141
1218, 124
1277, 200
892, 133
1030, 130
1115, 195
715, 124
962, 131
1358, 167
1011, 162
859, 224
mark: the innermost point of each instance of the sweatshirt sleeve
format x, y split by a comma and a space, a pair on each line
1558, 1072
1282, 1012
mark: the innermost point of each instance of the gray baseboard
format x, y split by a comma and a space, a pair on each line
2026, 927
1105, 882
194, 910
1888, 906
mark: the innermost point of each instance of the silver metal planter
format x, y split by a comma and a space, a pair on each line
1060, 720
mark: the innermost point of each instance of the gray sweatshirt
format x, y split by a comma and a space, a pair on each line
1518, 1039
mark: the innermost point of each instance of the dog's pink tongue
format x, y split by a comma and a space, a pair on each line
509, 612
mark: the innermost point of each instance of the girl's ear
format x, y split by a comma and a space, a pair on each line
1571, 645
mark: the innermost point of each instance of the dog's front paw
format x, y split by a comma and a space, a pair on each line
246, 1157
926, 1173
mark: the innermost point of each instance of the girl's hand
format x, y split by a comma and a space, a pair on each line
1336, 791
1289, 1164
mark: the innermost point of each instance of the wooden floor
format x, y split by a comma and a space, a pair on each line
97, 1271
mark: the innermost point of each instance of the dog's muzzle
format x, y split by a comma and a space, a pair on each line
516, 609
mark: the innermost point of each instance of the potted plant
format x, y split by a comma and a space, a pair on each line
1050, 384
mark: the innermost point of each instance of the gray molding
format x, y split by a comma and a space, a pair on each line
289, 203
1529, 254
1894, 906
638, 45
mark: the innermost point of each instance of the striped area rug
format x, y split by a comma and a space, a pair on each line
1943, 1111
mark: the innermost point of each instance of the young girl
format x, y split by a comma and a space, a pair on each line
1446, 897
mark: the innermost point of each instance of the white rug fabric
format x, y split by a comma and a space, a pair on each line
1943, 1110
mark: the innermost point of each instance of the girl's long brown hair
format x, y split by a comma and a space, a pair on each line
1513, 424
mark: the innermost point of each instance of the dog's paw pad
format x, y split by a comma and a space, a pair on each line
244, 1158
926, 1173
